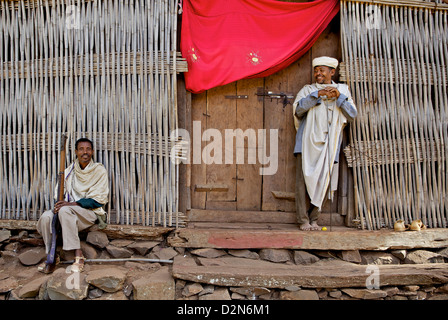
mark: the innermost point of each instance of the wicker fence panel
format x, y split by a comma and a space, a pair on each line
396, 61
105, 70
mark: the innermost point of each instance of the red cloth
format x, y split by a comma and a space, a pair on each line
227, 40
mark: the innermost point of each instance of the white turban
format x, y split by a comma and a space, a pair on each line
325, 61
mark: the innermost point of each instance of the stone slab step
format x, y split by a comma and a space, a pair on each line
240, 272
113, 231
283, 236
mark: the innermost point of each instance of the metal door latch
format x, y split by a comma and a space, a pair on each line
284, 97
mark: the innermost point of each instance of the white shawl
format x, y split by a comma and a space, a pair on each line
91, 182
319, 147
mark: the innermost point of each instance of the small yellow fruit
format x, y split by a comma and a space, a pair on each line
324, 229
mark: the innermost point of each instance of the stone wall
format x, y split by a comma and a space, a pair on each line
22, 251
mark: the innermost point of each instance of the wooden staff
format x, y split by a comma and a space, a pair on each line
50, 263
62, 169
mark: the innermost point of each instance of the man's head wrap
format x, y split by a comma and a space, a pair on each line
325, 61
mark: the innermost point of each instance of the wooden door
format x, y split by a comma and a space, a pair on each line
289, 81
239, 186
220, 181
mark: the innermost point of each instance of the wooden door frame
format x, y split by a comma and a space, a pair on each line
324, 46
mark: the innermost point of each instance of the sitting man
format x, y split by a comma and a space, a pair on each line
321, 110
86, 194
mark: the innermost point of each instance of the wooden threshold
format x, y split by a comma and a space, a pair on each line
234, 216
284, 236
238, 216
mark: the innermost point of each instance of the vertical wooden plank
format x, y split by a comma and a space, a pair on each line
289, 80
249, 119
221, 116
295, 82
198, 168
184, 122
343, 180
276, 117
328, 44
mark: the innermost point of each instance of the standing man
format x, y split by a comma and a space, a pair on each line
321, 110
86, 194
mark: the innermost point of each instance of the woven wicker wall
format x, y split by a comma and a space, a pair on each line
105, 70
395, 61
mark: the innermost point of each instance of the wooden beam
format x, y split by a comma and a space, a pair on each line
113, 231
211, 187
134, 232
18, 224
406, 3
307, 240
290, 196
238, 216
14, 70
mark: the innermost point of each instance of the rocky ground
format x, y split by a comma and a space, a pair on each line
174, 277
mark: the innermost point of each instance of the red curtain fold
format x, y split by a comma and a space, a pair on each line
228, 40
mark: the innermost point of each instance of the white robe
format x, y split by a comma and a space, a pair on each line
320, 142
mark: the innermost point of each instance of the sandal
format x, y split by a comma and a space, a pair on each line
48, 268
77, 266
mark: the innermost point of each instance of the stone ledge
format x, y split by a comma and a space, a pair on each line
113, 231
210, 273
239, 272
307, 240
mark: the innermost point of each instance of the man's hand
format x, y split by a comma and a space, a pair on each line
329, 92
61, 204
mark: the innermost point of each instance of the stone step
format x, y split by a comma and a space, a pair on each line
285, 236
113, 231
241, 272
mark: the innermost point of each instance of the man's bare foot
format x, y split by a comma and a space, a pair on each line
305, 227
314, 226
